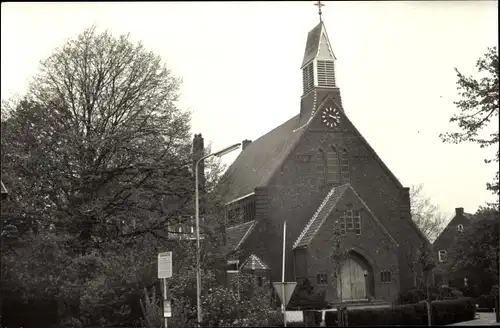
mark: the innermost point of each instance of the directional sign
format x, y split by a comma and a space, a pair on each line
284, 290
165, 265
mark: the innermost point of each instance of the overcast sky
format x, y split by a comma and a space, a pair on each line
240, 62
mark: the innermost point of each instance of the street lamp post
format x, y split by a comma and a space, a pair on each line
197, 217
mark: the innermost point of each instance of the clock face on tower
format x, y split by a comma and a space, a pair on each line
330, 117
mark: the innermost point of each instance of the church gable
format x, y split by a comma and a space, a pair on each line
349, 221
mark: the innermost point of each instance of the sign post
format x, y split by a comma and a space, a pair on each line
285, 292
165, 272
284, 289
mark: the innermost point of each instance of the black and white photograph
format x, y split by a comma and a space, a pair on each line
169, 164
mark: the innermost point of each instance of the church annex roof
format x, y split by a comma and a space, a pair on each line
257, 163
324, 210
236, 235
254, 263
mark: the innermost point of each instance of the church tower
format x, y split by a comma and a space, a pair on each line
318, 72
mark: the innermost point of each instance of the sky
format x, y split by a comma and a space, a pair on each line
240, 65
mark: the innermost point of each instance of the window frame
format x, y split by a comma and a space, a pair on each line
442, 258
357, 223
385, 276
322, 279
342, 225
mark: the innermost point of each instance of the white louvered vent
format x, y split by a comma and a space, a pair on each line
326, 73
308, 78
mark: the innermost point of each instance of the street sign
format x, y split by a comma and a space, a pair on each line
284, 290
167, 309
165, 265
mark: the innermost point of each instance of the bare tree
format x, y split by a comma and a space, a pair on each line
426, 215
98, 141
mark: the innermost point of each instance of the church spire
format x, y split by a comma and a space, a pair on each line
318, 66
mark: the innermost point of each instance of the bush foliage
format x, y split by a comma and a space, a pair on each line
444, 312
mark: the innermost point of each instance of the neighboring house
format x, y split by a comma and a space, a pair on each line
445, 241
317, 172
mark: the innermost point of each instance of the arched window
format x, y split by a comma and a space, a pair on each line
460, 228
320, 166
344, 166
333, 170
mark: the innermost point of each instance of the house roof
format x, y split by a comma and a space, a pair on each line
450, 227
236, 235
257, 163
253, 262
324, 210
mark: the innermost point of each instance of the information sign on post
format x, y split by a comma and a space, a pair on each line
165, 265
167, 309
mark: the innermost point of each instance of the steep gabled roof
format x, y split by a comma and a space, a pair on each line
253, 262
324, 210
257, 163
317, 44
450, 227
236, 235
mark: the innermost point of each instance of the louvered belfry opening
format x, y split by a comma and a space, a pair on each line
326, 73
308, 77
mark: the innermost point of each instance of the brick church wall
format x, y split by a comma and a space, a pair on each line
296, 191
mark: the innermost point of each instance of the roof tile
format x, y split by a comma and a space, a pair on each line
256, 164
236, 235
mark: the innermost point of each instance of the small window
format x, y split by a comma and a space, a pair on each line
232, 266
259, 281
385, 276
350, 220
322, 279
342, 227
357, 222
460, 228
344, 166
442, 255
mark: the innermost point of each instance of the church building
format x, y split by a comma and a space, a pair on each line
317, 172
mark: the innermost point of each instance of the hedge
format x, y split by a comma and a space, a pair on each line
443, 313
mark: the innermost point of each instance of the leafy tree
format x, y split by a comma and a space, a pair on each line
478, 108
426, 215
475, 255
99, 161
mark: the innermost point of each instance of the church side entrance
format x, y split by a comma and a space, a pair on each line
351, 284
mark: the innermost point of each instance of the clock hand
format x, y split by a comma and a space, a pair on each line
332, 116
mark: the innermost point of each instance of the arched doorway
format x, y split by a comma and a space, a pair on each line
353, 281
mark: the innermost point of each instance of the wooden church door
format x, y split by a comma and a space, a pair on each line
352, 282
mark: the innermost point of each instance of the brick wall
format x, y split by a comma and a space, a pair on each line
297, 189
373, 246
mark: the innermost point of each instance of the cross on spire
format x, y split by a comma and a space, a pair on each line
319, 4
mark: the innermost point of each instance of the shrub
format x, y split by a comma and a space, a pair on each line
415, 295
305, 297
486, 301
411, 296
446, 312
312, 318
443, 312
